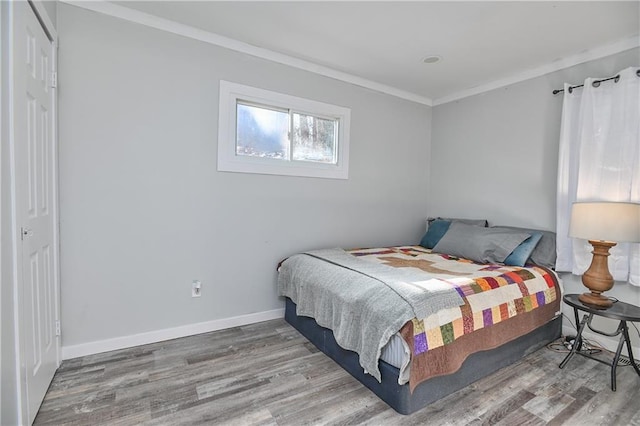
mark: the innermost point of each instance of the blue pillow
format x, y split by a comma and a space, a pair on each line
545, 252
436, 231
521, 254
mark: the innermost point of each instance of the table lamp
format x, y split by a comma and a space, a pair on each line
604, 224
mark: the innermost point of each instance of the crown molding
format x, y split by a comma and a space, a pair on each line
586, 56
188, 31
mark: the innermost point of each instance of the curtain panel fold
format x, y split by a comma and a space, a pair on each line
599, 160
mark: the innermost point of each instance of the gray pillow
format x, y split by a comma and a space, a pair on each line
477, 222
545, 252
484, 245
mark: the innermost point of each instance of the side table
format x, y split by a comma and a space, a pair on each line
620, 311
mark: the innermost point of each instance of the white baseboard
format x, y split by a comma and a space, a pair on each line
609, 343
123, 342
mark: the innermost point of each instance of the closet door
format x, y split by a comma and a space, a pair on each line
35, 204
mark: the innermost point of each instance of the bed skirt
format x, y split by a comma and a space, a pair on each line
475, 367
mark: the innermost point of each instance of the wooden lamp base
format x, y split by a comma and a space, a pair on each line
597, 278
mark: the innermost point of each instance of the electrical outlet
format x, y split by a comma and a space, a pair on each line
196, 288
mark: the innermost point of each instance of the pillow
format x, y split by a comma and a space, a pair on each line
545, 252
437, 228
483, 245
521, 254
477, 222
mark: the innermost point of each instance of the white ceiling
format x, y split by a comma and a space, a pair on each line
481, 42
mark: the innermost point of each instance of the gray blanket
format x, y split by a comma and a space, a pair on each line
362, 302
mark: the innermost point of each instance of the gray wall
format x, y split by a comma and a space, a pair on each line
51, 7
495, 155
144, 211
504, 143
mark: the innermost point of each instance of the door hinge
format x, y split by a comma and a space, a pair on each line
58, 333
54, 79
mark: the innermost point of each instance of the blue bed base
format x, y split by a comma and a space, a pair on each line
475, 367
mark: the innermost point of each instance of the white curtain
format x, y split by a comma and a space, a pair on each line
599, 160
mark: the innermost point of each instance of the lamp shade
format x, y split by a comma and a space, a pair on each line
606, 221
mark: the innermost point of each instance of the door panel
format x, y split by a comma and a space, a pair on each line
34, 169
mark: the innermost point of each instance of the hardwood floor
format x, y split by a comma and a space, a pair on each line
268, 374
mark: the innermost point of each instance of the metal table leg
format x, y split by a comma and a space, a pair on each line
616, 358
625, 333
578, 342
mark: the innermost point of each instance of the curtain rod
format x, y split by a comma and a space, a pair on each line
596, 83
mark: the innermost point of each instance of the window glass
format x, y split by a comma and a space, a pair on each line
314, 139
262, 132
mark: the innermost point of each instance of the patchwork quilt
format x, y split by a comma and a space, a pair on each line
501, 303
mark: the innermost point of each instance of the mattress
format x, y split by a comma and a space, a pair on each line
397, 353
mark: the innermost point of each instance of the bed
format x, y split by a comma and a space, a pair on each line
417, 323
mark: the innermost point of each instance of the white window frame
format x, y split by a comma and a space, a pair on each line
229, 161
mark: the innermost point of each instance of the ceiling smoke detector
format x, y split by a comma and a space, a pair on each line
432, 59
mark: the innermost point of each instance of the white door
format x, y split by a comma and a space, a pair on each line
35, 196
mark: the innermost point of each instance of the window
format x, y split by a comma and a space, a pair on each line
260, 131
